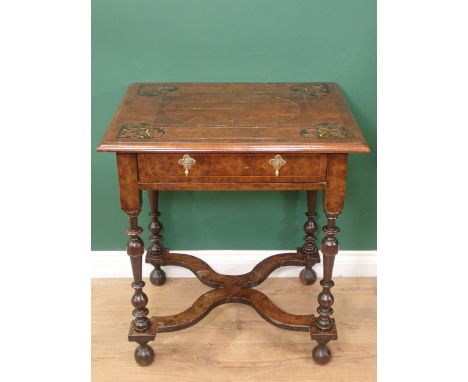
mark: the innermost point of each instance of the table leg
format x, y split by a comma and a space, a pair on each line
135, 248
333, 202
321, 353
130, 203
157, 275
309, 249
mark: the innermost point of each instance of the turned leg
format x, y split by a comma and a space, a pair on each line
309, 249
333, 203
321, 353
130, 202
135, 249
329, 251
157, 275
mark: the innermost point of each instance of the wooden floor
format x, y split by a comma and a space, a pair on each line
233, 343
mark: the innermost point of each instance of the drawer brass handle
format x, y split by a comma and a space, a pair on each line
187, 162
277, 162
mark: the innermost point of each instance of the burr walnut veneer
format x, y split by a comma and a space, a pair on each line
281, 136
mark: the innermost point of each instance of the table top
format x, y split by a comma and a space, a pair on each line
234, 117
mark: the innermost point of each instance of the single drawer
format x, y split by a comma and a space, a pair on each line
213, 168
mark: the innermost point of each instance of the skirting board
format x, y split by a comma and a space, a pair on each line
232, 262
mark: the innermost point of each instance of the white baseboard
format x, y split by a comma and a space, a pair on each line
347, 263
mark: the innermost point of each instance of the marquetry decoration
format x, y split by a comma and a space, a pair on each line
150, 90
327, 130
140, 130
312, 90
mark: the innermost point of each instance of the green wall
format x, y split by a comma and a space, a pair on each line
234, 41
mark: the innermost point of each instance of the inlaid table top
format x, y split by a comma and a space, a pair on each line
236, 117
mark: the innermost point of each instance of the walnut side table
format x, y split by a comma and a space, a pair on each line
277, 136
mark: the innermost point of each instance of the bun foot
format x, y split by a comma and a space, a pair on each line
157, 276
321, 354
144, 355
307, 276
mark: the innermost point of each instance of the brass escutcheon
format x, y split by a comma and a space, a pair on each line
277, 162
187, 162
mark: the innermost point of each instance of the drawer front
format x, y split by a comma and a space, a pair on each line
214, 168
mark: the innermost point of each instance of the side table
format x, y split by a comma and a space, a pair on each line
242, 136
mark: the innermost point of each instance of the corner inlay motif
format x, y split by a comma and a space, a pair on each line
312, 90
325, 130
154, 90
140, 130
